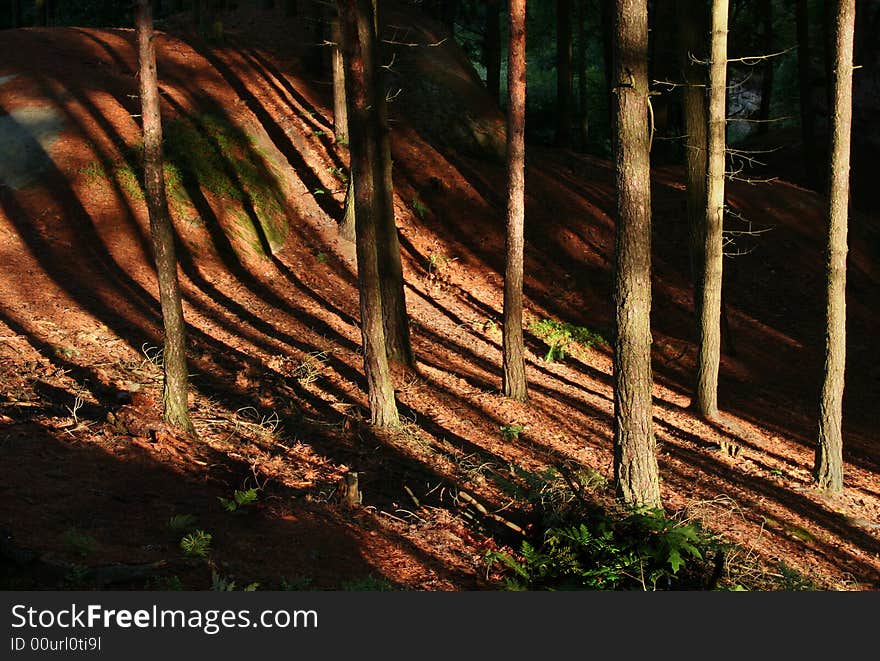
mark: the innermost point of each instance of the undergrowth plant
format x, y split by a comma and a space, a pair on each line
221, 583
196, 544
239, 500
182, 523
642, 550
563, 338
511, 432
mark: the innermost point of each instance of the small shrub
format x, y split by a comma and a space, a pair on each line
419, 207
221, 583
511, 432
239, 500
182, 523
196, 544
562, 338
642, 550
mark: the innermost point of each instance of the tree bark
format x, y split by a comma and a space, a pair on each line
709, 310
340, 113
394, 315
635, 461
693, 29
828, 468
766, 8
805, 87
492, 48
514, 383
356, 21
347, 226
176, 375
563, 73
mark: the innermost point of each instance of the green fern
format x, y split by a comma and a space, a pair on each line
563, 338
196, 544
182, 523
643, 550
239, 500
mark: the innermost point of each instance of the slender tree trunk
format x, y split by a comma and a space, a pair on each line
356, 20
492, 48
635, 461
693, 29
340, 113
563, 73
514, 366
347, 226
805, 78
709, 312
394, 316
176, 375
766, 8
828, 468
583, 120
340, 126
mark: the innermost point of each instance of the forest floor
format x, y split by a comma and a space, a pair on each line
90, 478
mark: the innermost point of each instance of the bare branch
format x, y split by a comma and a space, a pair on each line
752, 60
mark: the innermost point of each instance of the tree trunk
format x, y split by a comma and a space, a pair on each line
174, 355
563, 73
805, 87
583, 123
828, 468
492, 48
766, 8
356, 22
692, 22
709, 310
394, 316
347, 226
514, 367
340, 113
635, 461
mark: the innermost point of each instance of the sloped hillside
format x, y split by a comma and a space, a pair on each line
90, 479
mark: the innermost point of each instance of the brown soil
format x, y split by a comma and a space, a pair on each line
278, 395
